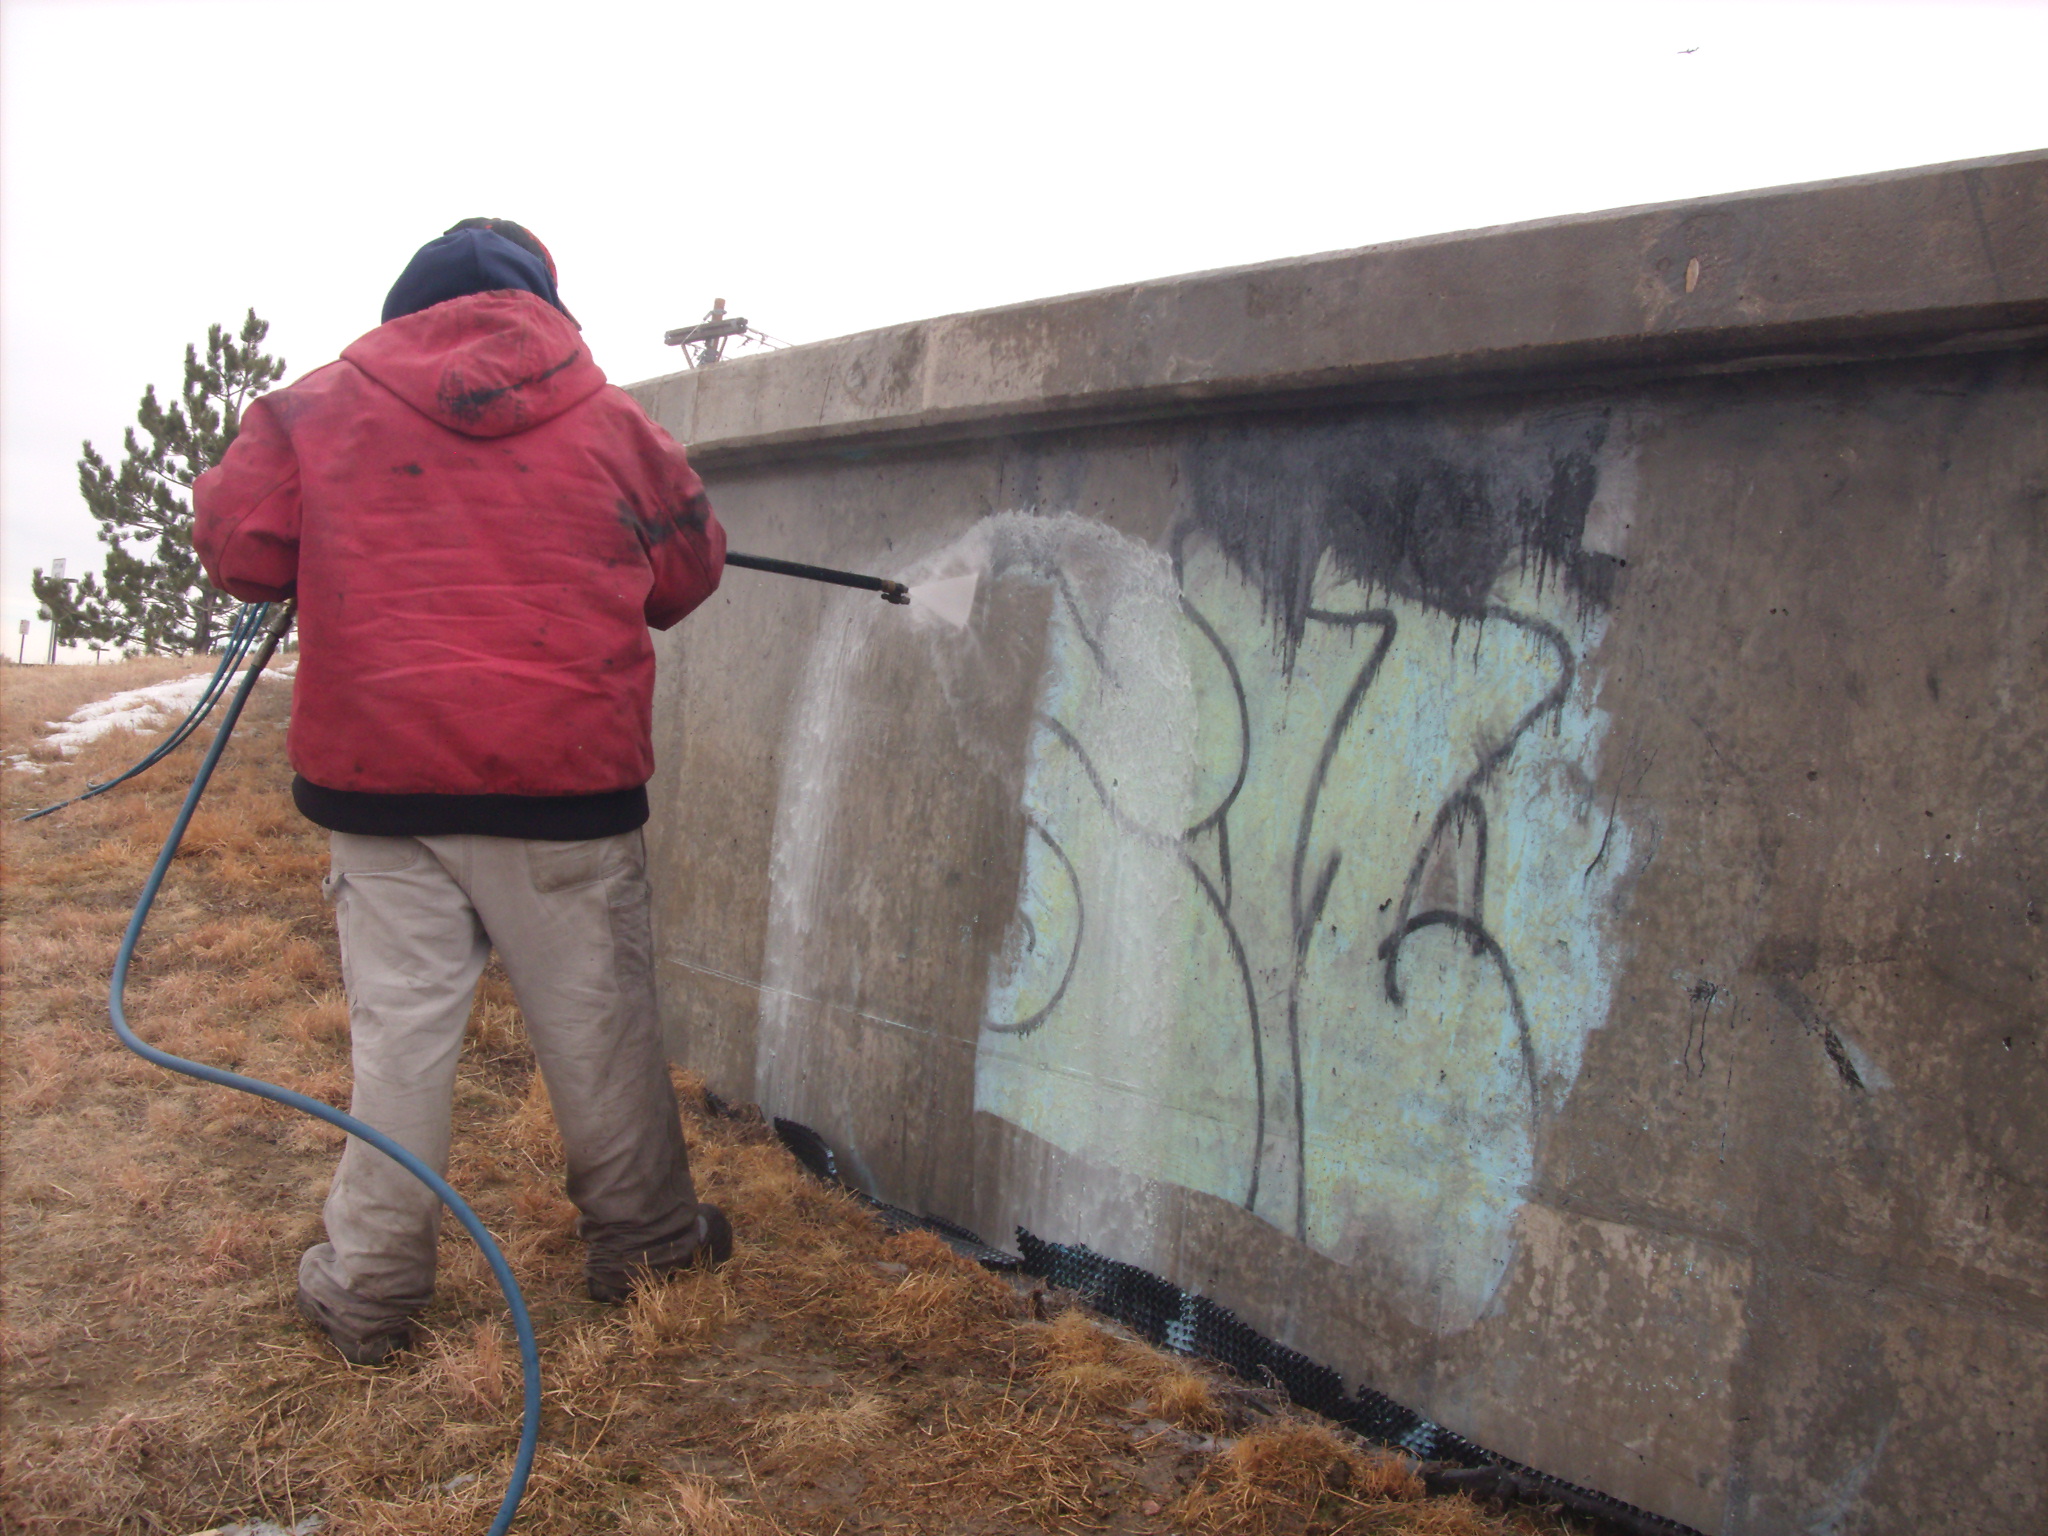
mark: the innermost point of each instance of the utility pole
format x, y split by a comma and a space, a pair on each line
712, 348
56, 574
708, 336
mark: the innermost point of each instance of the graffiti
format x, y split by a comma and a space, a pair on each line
1294, 925
1313, 891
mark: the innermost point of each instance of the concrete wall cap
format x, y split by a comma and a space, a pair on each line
1941, 257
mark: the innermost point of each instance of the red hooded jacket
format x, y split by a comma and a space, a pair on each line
479, 531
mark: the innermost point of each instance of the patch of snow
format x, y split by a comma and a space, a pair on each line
305, 1527
135, 709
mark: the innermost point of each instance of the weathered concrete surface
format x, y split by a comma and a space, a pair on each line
1871, 265
1489, 817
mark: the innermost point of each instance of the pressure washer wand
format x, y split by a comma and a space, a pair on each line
892, 591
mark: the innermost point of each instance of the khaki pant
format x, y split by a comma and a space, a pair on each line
418, 917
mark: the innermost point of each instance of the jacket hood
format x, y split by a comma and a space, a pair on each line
485, 365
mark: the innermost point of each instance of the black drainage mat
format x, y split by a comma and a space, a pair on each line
1163, 1313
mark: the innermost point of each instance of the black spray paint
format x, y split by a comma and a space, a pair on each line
1401, 503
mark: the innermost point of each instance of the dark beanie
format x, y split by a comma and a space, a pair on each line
472, 258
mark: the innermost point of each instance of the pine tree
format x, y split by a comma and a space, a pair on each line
155, 597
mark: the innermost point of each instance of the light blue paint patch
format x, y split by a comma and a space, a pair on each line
1164, 1005
1420, 1114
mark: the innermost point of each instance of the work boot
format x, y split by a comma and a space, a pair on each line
614, 1284
374, 1349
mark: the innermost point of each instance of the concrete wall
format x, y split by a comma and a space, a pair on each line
1489, 817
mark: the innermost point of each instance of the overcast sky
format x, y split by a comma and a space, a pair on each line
828, 168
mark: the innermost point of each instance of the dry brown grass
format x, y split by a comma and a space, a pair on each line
32, 696
831, 1377
1302, 1478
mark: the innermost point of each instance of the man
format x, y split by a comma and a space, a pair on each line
479, 531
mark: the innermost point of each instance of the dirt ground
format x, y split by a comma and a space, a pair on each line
830, 1378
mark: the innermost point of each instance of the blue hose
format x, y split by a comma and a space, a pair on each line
529, 1352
